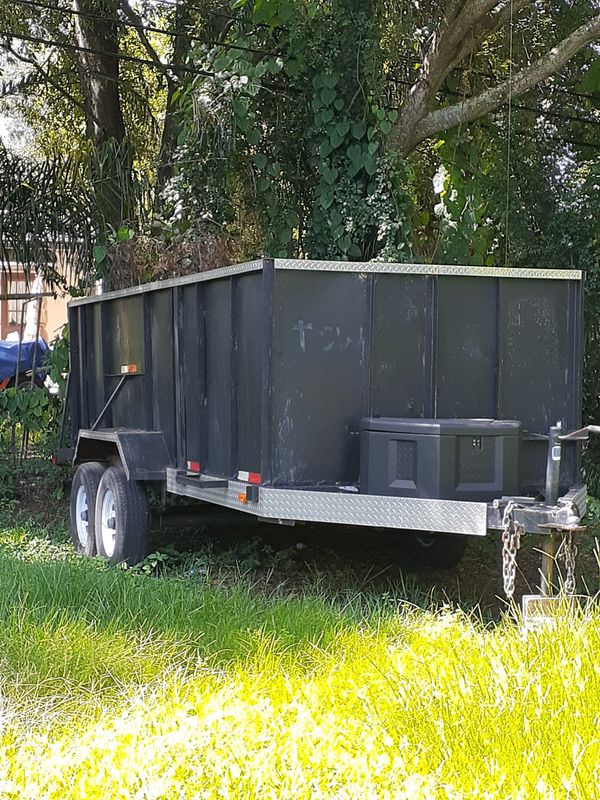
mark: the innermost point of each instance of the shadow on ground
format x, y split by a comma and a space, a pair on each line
356, 559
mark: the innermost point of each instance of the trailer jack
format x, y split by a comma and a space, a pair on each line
559, 537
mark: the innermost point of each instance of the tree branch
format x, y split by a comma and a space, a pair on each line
485, 27
472, 11
138, 24
458, 19
45, 77
12, 87
468, 110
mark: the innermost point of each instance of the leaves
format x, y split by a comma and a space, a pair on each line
30, 408
322, 183
45, 208
358, 129
100, 252
328, 95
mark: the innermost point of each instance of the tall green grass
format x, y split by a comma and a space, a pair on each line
116, 685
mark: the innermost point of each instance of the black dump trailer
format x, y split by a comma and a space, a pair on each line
433, 399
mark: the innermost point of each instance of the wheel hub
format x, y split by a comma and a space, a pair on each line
108, 523
82, 516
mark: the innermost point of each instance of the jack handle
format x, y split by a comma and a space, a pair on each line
582, 435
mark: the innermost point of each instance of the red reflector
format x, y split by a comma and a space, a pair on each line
248, 477
193, 466
127, 369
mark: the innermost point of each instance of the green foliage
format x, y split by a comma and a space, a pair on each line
59, 214
29, 426
285, 146
57, 360
29, 408
465, 212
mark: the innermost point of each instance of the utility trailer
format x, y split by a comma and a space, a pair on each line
442, 400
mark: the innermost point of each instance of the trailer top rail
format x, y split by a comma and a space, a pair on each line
368, 267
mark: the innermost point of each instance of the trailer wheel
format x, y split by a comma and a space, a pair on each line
122, 518
437, 550
83, 502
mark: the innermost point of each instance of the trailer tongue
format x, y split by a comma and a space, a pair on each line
409, 397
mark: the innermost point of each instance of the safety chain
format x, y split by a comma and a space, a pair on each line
569, 555
511, 543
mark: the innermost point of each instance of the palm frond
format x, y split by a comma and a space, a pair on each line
45, 220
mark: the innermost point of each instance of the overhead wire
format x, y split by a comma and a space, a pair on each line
227, 45
118, 56
521, 107
212, 13
147, 28
508, 137
164, 65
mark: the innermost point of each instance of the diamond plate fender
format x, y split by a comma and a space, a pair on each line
345, 508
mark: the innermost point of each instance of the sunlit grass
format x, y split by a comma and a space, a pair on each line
116, 685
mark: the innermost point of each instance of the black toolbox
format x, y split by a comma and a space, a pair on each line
451, 459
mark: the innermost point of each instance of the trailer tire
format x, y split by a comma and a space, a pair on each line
437, 550
82, 514
122, 519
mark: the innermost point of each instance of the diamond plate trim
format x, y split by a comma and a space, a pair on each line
373, 267
428, 269
196, 277
404, 513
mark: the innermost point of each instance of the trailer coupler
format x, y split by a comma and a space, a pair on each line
557, 518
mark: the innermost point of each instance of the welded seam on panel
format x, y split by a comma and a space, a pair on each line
427, 269
196, 277
400, 513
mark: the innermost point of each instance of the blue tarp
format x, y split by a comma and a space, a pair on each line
9, 354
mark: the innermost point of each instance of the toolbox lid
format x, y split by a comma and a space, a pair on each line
443, 427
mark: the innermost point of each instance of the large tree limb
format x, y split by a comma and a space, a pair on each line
411, 133
454, 27
97, 62
472, 11
487, 25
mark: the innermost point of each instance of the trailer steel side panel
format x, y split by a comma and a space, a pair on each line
269, 367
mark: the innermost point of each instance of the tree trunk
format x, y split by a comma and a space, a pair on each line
98, 67
99, 70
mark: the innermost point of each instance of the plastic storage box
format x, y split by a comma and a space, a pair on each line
450, 459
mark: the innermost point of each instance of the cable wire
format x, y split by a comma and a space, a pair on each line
119, 56
508, 136
122, 23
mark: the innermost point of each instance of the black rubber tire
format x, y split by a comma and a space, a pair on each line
437, 550
87, 476
132, 518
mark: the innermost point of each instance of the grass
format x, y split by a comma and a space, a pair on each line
121, 685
